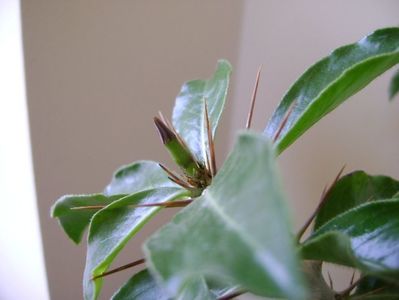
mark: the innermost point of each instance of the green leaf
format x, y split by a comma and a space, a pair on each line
139, 176
331, 81
188, 113
394, 85
352, 190
237, 230
195, 288
366, 237
371, 287
142, 286
112, 227
74, 222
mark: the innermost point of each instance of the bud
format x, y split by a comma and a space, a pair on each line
177, 149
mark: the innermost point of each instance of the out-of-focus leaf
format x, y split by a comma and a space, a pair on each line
331, 81
188, 113
112, 227
139, 176
366, 237
195, 288
142, 286
352, 190
237, 230
74, 222
394, 85
372, 288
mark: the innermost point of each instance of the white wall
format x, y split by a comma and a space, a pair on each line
22, 272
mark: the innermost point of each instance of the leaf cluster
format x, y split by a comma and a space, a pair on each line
234, 234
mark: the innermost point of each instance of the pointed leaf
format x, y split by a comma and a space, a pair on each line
237, 230
188, 113
352, 190
331, 81
112, 227
366, 237
139, 176
74, 222
394, 85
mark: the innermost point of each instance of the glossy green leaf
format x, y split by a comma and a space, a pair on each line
352, 190
74, 222
237, 230
112, 227
188, 113
141, 286
331, 81
138, 176
394, 85
366, 237
372, 288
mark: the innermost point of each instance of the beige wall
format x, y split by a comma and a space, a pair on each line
98, 71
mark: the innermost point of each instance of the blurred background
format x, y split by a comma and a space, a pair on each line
98, 71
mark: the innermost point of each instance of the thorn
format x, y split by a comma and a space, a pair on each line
309, 221
284, 121
338, 176
166, 134
207, 163
177, 203
330, 281
348, 290
124, 267
210, 141
254, 92
171, 175
162, 118
353, 277
232, 295
87, 207
322, 200
181, 183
